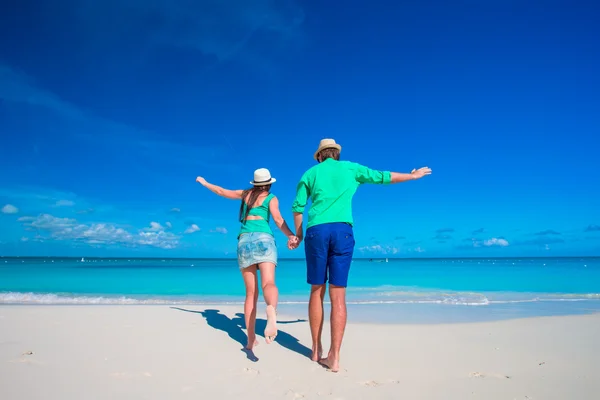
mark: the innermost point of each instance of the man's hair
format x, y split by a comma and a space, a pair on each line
328, 153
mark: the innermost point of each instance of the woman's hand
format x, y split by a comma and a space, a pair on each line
421, 172
201, 180
293, 242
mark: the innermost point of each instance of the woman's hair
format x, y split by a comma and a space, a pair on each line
328, 153
252, 195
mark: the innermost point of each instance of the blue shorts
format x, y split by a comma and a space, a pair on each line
255, 248
329, 249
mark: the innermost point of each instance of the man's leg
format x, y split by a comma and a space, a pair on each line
316, 247
340, 257
339, 314
315, 317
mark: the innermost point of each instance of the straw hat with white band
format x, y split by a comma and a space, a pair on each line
327, 144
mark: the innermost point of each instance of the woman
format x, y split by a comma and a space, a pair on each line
256, 247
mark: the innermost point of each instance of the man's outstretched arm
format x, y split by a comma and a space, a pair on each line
398, 177
367, 175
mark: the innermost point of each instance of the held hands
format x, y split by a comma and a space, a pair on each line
201, 180
421, 172
293, 242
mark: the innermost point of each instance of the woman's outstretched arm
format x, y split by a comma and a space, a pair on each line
228, 194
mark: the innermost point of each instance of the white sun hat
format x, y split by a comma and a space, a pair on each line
327, 144
262, 177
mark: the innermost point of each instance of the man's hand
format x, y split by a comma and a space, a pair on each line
293, 242
421, 172
201, 180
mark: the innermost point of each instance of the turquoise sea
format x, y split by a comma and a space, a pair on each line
396, 290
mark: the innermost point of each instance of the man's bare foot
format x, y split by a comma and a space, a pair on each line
330, 364
271, 328
317, 354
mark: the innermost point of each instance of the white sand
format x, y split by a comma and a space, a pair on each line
156, 352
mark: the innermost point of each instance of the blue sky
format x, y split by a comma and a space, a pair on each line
109, 110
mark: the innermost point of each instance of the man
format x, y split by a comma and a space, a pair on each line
329, 241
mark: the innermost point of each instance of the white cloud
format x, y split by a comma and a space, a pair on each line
496, 242
10, 209
493, 242
41, 198
476, 242
155, 227
379, 249
98, 233
175, 210
169, 225
24, 239
47, 222
164, 240
419, 250
65, 203
219, 229
193, 228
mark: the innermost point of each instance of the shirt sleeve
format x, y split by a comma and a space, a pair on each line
302, 194
368, 175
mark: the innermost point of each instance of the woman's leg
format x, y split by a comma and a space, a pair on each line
251, 283
267, 282
271, 294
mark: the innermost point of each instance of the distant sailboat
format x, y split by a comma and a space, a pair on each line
380, 261
82, 260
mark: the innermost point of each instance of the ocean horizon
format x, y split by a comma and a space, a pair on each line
395, 257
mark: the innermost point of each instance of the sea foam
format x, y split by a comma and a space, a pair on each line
383, 297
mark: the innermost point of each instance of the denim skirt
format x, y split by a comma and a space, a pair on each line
255, 248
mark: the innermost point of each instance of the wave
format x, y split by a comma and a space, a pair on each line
391, 297
411, 294
58, 299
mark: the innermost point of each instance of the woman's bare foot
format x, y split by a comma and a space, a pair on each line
271, 328
317, 354
331, 364
251, 344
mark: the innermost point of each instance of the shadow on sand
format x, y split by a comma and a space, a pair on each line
233, 327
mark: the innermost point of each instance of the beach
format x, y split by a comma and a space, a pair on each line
195, 351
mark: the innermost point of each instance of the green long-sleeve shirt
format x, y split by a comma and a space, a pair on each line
331, 185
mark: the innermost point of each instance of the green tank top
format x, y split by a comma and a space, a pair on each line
258, 225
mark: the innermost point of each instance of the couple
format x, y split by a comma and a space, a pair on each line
329, 242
